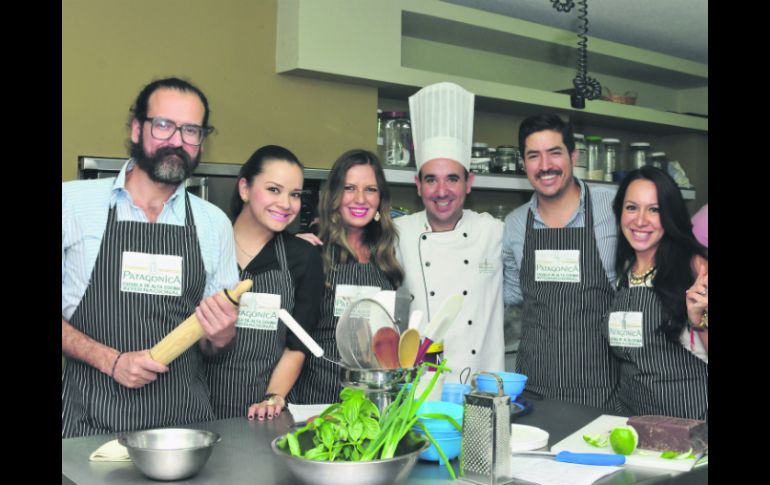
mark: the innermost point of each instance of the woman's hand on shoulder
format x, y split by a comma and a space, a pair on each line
310, 237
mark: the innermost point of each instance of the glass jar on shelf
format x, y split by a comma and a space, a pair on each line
611, 146
638, 154
480, 161
508, 158
659, 159
495, 166
595, 162
397, 139
581, 164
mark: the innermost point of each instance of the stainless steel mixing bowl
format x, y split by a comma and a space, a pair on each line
170, 454
375, 472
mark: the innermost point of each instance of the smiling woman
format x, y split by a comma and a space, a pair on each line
359, 238
254, 378
663, 279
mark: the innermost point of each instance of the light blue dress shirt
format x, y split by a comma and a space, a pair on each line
84, 208
605, 230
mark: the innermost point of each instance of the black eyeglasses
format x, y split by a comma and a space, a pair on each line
163, 129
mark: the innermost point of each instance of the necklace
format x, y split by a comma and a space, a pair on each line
636, 279
251, 256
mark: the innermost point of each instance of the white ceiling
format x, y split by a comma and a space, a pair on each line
675, 27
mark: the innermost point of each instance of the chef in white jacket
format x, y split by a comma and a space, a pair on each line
444, 249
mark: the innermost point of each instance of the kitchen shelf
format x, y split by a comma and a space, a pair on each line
405, 176
400, 46
395, 176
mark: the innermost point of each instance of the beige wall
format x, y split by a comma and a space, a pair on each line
111, 49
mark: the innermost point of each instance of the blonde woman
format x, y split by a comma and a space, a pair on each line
359, 238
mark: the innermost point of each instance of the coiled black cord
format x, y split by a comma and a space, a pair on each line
585, 86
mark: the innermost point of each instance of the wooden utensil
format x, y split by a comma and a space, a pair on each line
408, 346
385, 345
190, 331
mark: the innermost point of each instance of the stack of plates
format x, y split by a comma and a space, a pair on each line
527, 438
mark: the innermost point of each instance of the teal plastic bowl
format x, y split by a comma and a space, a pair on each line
453, 410
513, 383
449, 443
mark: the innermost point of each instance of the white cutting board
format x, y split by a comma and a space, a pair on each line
603, 425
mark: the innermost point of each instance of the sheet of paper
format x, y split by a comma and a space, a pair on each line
300, 412
549, 472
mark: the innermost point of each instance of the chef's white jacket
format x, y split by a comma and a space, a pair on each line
467, 260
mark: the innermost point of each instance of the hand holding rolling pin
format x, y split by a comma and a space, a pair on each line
213, 319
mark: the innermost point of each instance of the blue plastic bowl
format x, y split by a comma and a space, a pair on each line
451, 409
513, 383
454, 392
450, 445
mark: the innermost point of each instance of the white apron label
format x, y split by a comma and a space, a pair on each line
151, 274
626, 329
557, 266
344, 295
259, 311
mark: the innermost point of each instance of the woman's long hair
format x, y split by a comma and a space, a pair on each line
379, 236
673, 257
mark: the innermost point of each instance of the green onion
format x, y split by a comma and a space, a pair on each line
353, 429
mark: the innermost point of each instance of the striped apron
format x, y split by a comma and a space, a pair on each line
319, 382
239, 377
563, 349
92, 402
661, 377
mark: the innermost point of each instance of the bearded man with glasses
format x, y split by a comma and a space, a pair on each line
139, 255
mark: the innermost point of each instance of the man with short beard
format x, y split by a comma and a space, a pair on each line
139, 256
559, 258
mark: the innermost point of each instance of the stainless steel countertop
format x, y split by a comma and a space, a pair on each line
244, 455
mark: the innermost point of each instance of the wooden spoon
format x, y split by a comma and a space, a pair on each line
407, 348
385, 347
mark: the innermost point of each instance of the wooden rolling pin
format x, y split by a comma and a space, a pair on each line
190, 331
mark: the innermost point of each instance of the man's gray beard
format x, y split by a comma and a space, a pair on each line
163, 167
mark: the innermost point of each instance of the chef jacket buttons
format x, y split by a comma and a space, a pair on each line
465, 292
432, 293
427, 263
466, 261
465, 234
470, 322
424, 237
473, 352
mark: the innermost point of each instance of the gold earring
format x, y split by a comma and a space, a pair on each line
377, 216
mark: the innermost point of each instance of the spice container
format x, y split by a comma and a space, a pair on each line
638, 154
397, 138
595, 165
611, 146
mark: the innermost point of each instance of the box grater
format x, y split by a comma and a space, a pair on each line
486, 443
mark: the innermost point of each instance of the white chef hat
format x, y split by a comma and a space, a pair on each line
442, 123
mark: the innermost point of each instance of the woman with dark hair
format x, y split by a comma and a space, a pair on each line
254, 377
359, 239
658, 322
